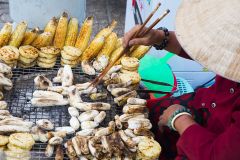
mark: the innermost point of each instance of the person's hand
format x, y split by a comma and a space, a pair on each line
153, 37
181, 123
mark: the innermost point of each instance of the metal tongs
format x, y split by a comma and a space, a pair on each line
139, 33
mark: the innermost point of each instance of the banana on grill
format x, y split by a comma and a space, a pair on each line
18, 34
85, 34
61, 31
51, 27
105, 32
103, 56
30, 36
140, 51
93, 49
72, 32
5, 34
42, 40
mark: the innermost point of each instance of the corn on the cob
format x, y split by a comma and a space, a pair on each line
30, 36
105, 32
51, 27
61, 31
18, 34
119, 42
42, 40
72, 32
84, 34
93, 49
115, 54
109, 45
5, 34
140, 51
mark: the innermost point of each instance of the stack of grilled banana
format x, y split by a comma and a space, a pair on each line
63, 33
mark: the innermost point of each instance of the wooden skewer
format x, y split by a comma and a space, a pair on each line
109, 66
147, 20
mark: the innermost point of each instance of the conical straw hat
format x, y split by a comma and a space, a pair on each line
209, 31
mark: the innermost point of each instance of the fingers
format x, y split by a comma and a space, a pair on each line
139, 41
129, 35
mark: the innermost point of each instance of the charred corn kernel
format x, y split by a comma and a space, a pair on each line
42, 40
119, 42
115, 54
140, 51
93, 49
109, 45
18, 34
72, 32
105, 32
51, 27
30, 36
5, 34
84, 34
61, 31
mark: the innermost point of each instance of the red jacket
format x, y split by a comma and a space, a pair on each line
219, 138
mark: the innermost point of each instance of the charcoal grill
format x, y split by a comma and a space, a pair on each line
19, 103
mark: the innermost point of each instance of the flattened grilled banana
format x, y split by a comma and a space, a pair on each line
85, 106
98, 96
110, 87
42, 82
135, 123
74, 123
85, 132
44, 102
100, 117
45, 124
47, 95
126, 117
87, 68
74, 95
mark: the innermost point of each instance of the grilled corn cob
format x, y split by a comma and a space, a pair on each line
119, 42
5, 34
51, 27
103, 56
85, 34
30, 36
93, 49
72, 32
42, 40
18, 34
61, 31
105, 32
115, 54
109, 45
140, 51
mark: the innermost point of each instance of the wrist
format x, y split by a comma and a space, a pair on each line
159, 36
183, 122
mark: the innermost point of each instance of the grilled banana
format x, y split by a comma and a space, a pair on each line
47, 94
18, 34
86, 106
89, 125
42, 82
88, 115
73, 111
85, 132
67, 76
134, 109
67, 129
126, 117
136, 101
87, 68
61, 31
47, 102
74, 95
110, 87
98, 96
135, 123
72, 32
122, 100
116, 92
5, 34
74, 123
100, 117
45, 124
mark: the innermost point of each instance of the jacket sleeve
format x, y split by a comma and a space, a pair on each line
198, 143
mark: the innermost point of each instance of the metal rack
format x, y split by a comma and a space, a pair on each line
19, 103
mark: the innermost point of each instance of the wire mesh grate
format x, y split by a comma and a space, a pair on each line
19, 101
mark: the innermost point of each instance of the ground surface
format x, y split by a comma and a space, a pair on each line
102, 10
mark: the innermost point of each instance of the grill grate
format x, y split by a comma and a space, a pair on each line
19, 103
